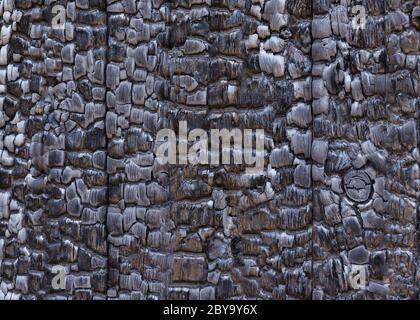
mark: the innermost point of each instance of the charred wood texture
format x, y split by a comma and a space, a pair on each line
81, 187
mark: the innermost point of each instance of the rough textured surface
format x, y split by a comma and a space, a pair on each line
80, 185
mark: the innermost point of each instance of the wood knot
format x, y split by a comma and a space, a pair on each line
358, 185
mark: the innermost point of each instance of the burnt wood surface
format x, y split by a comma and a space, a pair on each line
80, 185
